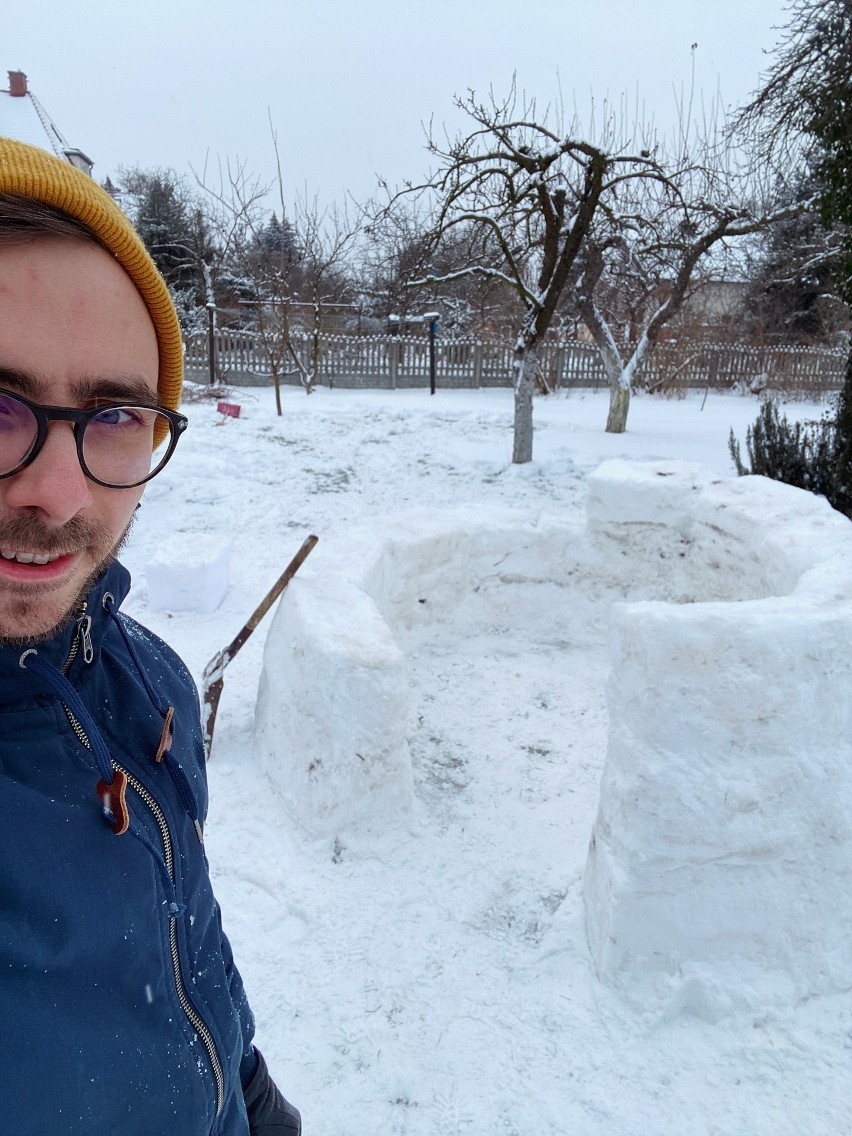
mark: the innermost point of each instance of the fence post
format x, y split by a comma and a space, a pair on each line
559, 365
393, 361
477, 364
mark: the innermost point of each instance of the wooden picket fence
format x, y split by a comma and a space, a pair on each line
396, 362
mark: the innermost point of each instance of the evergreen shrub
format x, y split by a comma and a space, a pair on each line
803, 454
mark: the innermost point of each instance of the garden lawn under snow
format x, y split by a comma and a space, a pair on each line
429, 973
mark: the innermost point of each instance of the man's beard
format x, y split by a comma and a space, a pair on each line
76, 535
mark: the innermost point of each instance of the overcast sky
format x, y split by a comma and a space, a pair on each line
349, 83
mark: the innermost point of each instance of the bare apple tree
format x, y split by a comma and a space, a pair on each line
529, 192
639, 267
553, 215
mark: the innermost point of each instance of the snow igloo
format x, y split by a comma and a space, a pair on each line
720, 861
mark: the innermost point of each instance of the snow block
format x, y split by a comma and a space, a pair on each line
720, 863
623, 492
189, 572
332, 707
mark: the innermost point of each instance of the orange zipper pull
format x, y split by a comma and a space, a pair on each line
114, 800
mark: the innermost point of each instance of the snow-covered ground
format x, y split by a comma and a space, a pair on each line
430, 973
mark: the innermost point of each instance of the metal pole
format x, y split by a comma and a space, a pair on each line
432, 326
432, 317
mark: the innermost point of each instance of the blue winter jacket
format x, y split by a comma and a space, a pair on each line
121, 1010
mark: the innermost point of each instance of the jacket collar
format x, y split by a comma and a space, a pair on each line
14, 683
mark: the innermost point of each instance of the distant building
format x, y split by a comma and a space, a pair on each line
23, 117
715, 303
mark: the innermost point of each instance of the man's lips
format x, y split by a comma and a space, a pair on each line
29, 557
35, 566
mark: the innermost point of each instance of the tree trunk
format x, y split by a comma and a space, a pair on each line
619, 404
618, 375
525, 365
212, 328
276, 376
622, 385
315, 346
315, 361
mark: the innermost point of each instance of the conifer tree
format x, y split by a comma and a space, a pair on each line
805, 107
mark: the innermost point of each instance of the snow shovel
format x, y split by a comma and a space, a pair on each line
214, 678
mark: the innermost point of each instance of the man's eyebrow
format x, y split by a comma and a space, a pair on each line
22, 382
117, 388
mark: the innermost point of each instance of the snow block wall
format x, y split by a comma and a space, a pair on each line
720, 866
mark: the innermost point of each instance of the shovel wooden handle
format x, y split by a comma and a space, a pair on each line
213, 675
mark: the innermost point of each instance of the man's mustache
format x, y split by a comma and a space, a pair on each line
28, 534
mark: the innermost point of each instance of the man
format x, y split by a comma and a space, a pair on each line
121, 1010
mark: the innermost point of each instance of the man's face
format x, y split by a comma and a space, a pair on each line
73, 330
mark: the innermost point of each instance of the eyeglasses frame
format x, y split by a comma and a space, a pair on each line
44, 414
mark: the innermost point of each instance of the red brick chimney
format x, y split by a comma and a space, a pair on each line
17, 84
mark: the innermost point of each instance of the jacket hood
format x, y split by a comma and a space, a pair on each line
18, 685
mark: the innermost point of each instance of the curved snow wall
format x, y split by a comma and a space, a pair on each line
333, 702
722, 850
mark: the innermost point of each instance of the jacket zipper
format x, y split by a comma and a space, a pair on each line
189, 1010
83, 638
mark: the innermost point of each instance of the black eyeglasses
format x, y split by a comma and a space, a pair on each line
119, 445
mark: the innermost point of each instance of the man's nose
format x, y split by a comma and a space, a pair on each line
54, 483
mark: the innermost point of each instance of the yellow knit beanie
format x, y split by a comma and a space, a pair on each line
30, 172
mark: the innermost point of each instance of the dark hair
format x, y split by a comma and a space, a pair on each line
23, 219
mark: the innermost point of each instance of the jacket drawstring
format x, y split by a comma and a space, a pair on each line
110, 609
31, 661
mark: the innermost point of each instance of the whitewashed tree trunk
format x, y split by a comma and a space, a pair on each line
618, 376
619, 404
526, 358
619, 399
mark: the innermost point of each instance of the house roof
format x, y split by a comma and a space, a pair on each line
24, 118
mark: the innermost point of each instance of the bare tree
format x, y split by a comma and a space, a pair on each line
643, 264
529, 193
564, 222
395, 250
325, 235
268, 266
286, 267
291, 288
